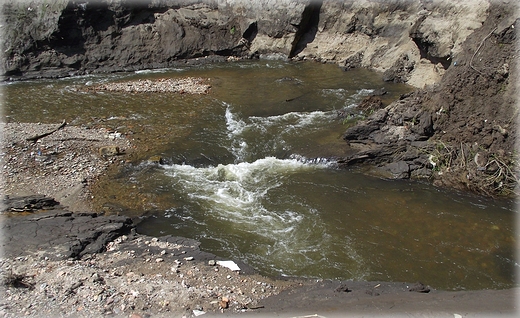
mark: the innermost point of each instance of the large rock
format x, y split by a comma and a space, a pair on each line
399, 170
29, 203
61, 234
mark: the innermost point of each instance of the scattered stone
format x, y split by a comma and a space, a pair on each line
342, 288
420, 288
109, 151
224, 303
212, 262
399, 170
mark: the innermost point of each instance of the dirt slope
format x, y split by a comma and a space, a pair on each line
461, 132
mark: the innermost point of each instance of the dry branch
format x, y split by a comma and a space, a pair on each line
35, 138
478, 49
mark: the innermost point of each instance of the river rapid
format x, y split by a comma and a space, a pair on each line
247, 171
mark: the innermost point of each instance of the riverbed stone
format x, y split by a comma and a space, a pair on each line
399, 170
156, 159
109, 151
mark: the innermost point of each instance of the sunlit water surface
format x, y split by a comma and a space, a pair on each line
246, 174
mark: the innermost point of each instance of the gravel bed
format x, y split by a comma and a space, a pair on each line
137, 277
60, 165
188, 85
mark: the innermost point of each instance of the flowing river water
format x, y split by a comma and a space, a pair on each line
246, 173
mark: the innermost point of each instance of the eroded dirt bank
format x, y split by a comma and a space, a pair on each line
461, 132
412, 42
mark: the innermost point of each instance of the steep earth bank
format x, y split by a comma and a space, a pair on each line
459, 129
411, 42
462, 131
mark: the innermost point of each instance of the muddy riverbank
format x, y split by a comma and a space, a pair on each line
59, 263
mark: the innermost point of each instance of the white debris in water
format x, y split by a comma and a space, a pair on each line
229, 264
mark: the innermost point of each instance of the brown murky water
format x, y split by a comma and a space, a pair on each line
246, 175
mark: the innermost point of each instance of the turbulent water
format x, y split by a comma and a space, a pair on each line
247, 174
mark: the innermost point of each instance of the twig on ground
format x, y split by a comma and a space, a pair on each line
474, 54
35, 138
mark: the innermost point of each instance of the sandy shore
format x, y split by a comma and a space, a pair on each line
58, 263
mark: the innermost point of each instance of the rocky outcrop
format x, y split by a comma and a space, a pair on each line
460, 133
412, 42
28, 203
62, 234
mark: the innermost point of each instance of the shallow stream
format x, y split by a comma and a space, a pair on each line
246, 173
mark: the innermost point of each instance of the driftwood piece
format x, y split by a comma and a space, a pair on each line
35, 138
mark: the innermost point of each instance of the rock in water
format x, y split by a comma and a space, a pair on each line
420, 288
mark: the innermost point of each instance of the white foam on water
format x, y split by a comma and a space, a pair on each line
237, 191
273, 129
293, 120
160, 70
241, 195
235, 126
335, 92
364, 92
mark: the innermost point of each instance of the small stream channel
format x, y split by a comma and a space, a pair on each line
246, 174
